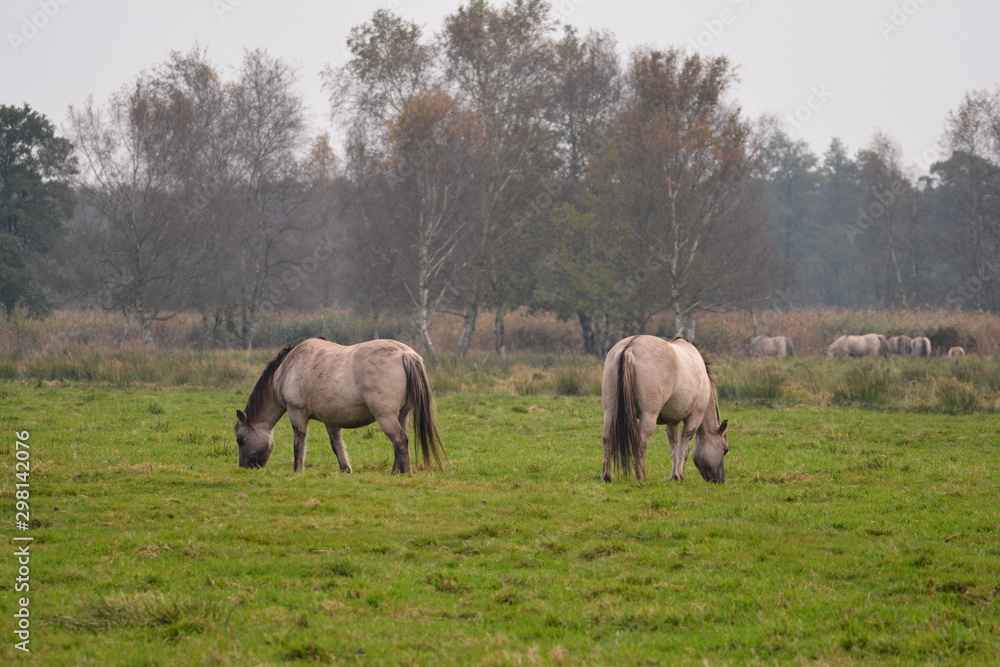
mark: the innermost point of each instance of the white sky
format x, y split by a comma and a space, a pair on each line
894, 65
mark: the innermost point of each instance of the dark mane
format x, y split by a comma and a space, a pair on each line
263, 391
709, 364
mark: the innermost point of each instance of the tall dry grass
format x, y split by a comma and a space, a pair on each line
543, 356
723, 334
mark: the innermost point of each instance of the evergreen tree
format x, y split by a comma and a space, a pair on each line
34, 201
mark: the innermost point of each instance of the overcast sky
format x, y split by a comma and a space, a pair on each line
830, 68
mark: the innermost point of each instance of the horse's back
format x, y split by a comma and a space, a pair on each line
765, 346
345, 385
670, 375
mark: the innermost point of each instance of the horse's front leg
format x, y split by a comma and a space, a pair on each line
337, 443
300, 426
400, 443
679, 454
676, 459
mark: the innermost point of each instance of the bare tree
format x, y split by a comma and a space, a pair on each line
270, 133
435, 154
676, 172
587, 96
413, 158
500, 63
588, 91
130, 153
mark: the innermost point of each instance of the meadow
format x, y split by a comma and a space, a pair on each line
859, 522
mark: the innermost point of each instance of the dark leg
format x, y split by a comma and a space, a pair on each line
400, 443
300, 425
606, 444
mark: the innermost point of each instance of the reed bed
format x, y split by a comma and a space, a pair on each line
70, 347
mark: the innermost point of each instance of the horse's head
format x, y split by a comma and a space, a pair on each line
710, 453
255, 444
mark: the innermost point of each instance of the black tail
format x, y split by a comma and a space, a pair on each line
418, 394
624, 430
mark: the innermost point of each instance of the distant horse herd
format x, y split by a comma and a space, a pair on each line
647, 381
864, 345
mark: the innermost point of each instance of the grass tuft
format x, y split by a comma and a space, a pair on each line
758, 382
955, 396
147, 610
868, 382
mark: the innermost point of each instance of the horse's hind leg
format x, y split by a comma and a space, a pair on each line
400, 442
606, 445
647, 426
337, 443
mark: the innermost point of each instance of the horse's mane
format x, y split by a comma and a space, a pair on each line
709, 364
263, 391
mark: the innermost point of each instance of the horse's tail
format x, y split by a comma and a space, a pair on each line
418, 395
624, 428
788, 343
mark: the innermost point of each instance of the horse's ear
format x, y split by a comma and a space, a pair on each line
722, 426
241, 416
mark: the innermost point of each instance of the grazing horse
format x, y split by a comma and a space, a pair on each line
920, 347
764, 346
343, 387
649, 381
899, 345
956, 352
858, 346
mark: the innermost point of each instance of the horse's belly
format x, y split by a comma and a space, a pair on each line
673, 412
345, 416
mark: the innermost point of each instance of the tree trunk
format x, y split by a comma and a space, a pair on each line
145, 327
425, 323
499, 332
124, 328
753, 321
678, 320
589, 336
468, 329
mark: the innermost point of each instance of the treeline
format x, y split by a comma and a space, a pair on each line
501, 162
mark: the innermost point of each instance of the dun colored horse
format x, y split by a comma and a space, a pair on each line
956, 352
343, 387
858, 346
899, 345
649, 381
777, 346
920, 347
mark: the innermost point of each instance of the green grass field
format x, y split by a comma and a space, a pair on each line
842, 535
